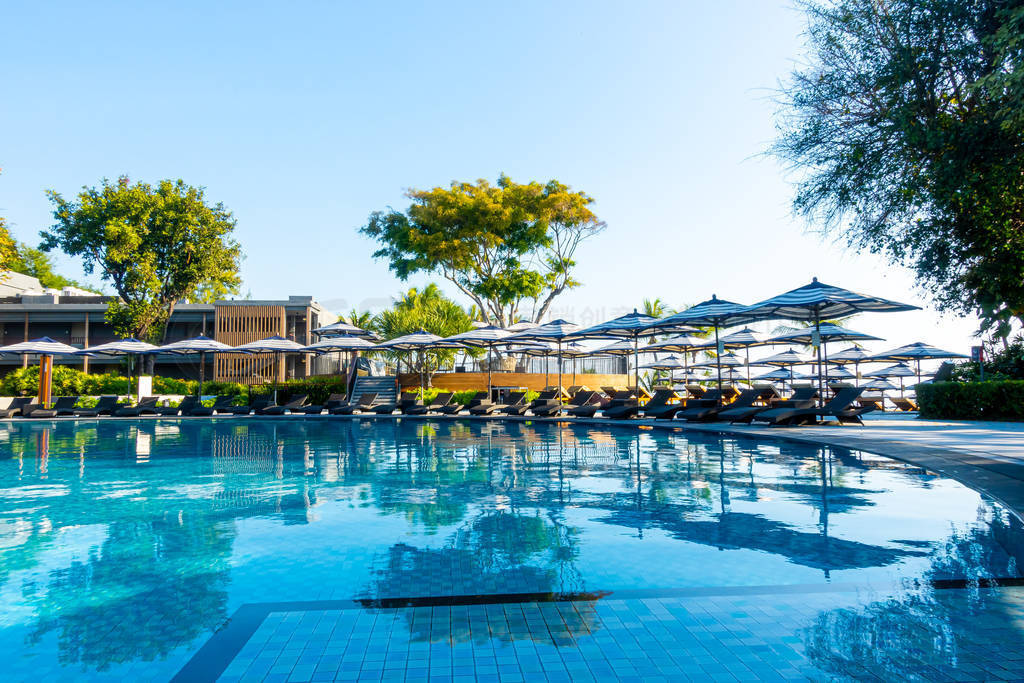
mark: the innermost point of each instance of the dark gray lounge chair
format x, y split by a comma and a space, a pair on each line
16, 406
187, 405
225, 405
364, 404
106, 405
838, 407
586, 404
440, 401
746, 399
294, 404
697, 407
454, 408
803, 397
516, 405
37, 411
406, 401
333, 401
659, 406
622, 408
146, 406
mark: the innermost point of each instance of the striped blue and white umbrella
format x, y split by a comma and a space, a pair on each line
558, 331
850, 355
200, 345
486, 337
630, 327
341, 327
46, 348
916, 352
276, 345
340, 343
818, 301
900, 370
828, 332
741, 339
726, 360
130, 346
714, 312
418, 341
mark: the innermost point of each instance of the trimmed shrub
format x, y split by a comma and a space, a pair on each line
318, 388
1002, 400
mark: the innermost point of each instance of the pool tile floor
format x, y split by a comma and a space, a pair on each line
946, 635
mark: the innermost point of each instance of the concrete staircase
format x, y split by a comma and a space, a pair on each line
384, 387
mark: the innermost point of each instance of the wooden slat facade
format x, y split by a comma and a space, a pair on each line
240, 324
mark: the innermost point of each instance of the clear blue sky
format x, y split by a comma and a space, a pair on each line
305, 117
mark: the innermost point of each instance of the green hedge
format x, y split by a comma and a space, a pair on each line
72, 382
317, 388
1003, 400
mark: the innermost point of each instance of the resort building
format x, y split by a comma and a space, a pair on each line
77, 317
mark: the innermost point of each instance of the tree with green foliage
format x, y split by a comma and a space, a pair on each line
501, 245
157, 246
426, 309
8, 248
39, 264
906, 129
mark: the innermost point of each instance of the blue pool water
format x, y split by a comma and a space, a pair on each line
126, 545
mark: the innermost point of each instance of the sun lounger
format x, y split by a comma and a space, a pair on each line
106, 405
146, 406
37, 411
586, 404
877, 402
838, 407
487, 407
15, 406
659, 406
440, 401
294, 404
333, 401
545, 405
407, 400
698, 407
801, 398
455, 408
746, 399
696, 390
905, 404
622, 408
364, 404
183, 408
258, 404
222, 404
516, 405
405, 406
62, 407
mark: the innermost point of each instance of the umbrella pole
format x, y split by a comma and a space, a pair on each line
489, 371
636, 364
202, 371
559, 388
821, 384
747, 350
718, 358
574, 370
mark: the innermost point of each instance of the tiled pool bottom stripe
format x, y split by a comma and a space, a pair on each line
951, 634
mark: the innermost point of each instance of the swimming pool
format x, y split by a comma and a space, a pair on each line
400, 550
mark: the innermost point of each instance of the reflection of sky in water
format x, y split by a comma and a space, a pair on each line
124, 544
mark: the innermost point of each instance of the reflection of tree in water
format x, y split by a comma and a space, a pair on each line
900, 637
150, 588
496, 553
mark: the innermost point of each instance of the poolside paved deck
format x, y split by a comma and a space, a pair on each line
988, 456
